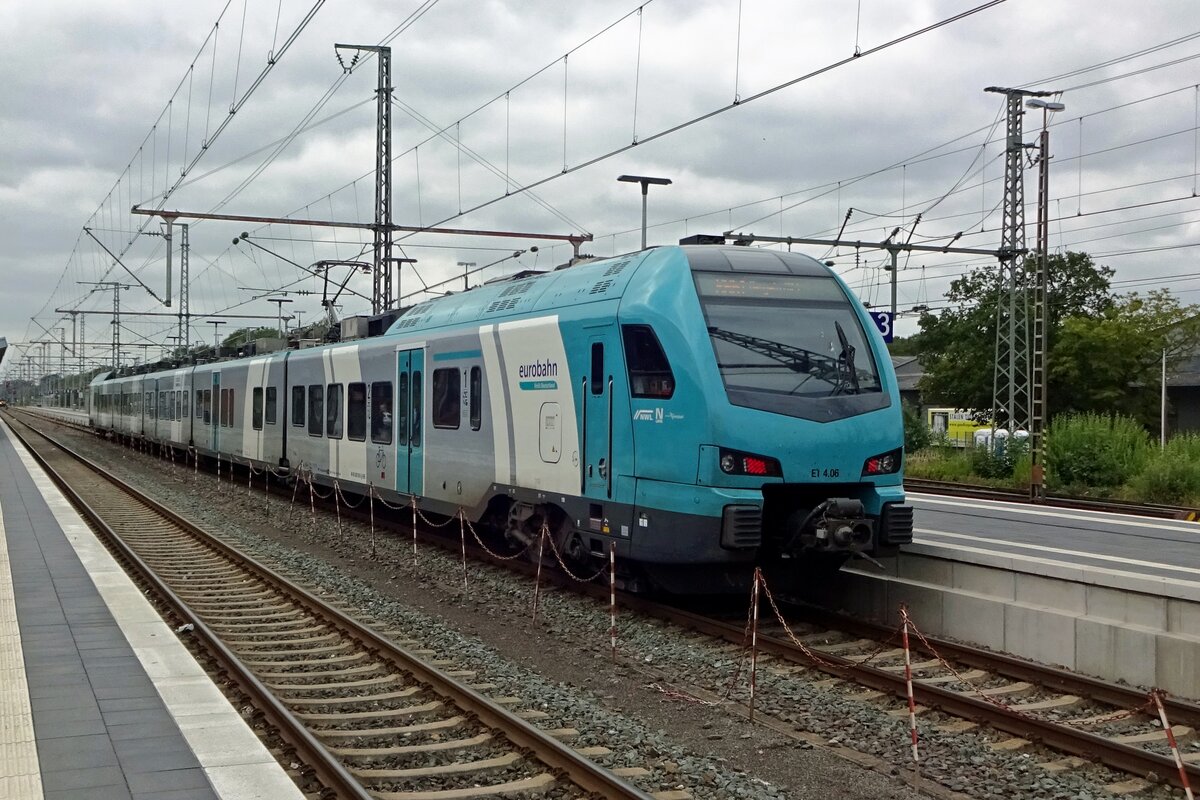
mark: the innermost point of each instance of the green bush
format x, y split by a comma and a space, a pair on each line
1094, 450
1000, 462
1172, 474
916, 432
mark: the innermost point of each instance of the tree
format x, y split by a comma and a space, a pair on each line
958, 345
1111, 364
243, 335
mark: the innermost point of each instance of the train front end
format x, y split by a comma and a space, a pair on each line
794, 416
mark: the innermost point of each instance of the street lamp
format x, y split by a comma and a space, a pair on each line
645, 182
1041, 415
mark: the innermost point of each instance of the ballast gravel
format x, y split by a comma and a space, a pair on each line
562, 665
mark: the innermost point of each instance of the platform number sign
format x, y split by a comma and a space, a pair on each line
883, 321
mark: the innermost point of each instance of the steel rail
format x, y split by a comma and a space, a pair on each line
953, 489
553, 753
1126, 758
314, 755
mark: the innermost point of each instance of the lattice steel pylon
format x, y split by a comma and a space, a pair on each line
381, 273
185, 322
1012, 394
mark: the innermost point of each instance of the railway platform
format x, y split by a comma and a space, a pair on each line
98, 697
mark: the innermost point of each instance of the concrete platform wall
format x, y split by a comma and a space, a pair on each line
1084, 622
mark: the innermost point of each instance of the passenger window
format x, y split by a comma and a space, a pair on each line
298, 406
207, 402
649, 373
381, 413
476, 398
597, 368
415, 439
223, 411
356, 412
447, 405
402, 409
316, 410
199, 404
185, 411
257, 408
333, 407
270, 412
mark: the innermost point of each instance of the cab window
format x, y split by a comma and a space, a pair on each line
649, 373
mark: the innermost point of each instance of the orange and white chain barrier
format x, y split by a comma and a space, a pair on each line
1157, 694
537, 581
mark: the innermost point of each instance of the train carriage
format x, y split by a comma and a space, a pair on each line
705, 409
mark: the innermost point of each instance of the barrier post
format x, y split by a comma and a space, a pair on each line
1162, 715
537, 581
758, 578
337, 506
312, 502
218, 469
413, 497
462, 537
292, 506
371, 495
612, 599
912, 705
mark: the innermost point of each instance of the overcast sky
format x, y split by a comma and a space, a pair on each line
103, 104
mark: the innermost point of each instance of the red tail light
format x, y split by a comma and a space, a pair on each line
734, 463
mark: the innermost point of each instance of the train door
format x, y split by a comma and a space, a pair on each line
597, 420
410, 364
218, 409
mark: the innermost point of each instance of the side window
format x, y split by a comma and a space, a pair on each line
476, 398
597, 368
270, 411
257, 409
402, 410
207, 403
447, 403
179, 403
199, 404
223, 410
316, 409
148, 408
333, 411
381, 413
298, 406
184, 397
415, 439
356, 412
649, 373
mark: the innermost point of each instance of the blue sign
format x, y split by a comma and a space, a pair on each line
883, 321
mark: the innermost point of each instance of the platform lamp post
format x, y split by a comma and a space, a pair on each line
645, 182
279, 301
216, 323
1041, 315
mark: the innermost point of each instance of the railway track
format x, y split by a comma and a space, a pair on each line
1082, 719
364, 715
1078, 720
1051, 500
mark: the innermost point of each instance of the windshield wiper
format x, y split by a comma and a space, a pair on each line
846, 357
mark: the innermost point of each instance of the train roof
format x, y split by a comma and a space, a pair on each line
590, 282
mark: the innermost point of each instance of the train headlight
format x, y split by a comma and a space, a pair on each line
883, 464
737, 463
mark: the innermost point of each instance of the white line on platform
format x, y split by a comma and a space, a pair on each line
21, 776
1131, 520
1061, 551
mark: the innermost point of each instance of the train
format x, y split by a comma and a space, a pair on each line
707, 409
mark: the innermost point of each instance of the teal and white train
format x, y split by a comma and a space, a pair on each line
706, 408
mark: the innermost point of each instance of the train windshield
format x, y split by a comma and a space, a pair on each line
790, 344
